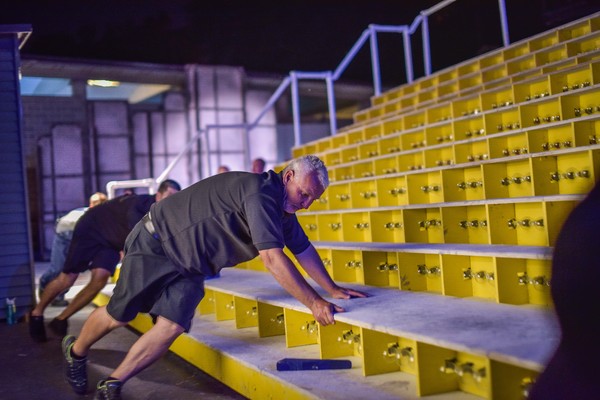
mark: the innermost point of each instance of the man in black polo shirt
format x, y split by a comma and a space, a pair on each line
98, 237
218, 222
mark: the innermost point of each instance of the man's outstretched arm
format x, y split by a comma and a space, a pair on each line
310, 260
285, 272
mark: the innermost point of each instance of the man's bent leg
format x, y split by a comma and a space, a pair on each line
63, 281
148, 348
86, 295
98, 324
60, 325
36, 318
60, 246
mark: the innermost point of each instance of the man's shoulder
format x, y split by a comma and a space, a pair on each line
75, 213
67, 221
145, 197
130, 199
267, 184
143, 202
234, 180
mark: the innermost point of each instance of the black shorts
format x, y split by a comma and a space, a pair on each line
87, 251
150, 283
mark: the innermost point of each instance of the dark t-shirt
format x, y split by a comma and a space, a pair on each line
224, 220
576, 273
572, 371
111, 222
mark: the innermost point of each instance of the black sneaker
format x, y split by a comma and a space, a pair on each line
108, 390
59, 327
75, 369
37, 331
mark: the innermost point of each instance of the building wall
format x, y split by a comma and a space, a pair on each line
115, 140
262, 140
41, 114
16, 267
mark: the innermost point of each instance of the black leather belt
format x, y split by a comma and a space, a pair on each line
147, 221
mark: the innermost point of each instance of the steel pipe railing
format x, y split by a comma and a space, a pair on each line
330, 77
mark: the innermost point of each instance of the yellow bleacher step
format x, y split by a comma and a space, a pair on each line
247, 363
402, 313
458, 348
504, 251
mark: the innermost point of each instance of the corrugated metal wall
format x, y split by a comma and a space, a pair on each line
16, 268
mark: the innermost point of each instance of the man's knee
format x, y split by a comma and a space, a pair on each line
112, 321
100, 277
168, 328
67, 279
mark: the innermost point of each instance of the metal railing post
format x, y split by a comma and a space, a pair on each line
207, 142
504, 22
331, 104
424, 16
296, 109
408, 56
426, 48
375, 61
247, 161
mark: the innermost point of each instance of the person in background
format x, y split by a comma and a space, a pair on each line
217, 222
572, 371
258, 166
98, 237
222, 168
60, 244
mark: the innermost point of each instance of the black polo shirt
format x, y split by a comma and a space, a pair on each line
111, 222
224, 220
100, 233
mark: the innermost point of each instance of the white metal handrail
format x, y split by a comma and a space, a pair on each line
291, 81
368, 34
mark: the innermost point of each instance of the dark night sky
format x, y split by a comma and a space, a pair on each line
274, 36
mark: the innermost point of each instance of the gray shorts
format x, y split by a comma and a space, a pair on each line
150, 283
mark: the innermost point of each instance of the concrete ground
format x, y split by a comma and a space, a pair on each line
33, 371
